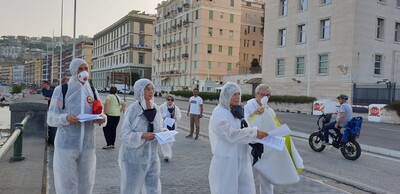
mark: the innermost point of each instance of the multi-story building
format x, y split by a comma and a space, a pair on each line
251, 37
196, 43
321, 48
84, 51
6, 73
125, 46
38, 71
29, 72
11, 51
18, 74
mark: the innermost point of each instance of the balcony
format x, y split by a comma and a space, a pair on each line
174, 27
170, 30
179, 26
178, 57
185, 23
158, 33
186, 6
173, 58
169, 58
164, 59
158, 46
178, 42
185, 40
171, 73
185, 56
158, 61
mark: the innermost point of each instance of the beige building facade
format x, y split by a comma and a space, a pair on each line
321, 48
196, 43
124, 47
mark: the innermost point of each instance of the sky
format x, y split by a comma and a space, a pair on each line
36, 18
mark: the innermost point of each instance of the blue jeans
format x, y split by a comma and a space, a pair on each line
326, 129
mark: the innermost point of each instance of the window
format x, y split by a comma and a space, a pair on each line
229, 67
254, 43
195, 65
325, 29
195, 48
210, 14
282, 37
221, 32
220, 48
397, 32
326, 2
283, 8
141, 58
221, 15
209, 48
209, 65
280, 67
380, 28
303, 4
196, 31
196, 15
378, 64
210, 30
323, 64
382, 1
230, 51
299, 65
230, 34
231, 18
301, 31
232, 3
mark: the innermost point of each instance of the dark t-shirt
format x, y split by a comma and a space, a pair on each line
48, 93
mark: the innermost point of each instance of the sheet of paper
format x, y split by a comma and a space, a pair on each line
88, 117
280, 131
274, 142
165, 137
169, 121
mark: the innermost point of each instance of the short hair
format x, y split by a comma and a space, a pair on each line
262, 86
169, 96
113, 90
196, 89
45, 82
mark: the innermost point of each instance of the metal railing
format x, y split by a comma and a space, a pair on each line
16, 139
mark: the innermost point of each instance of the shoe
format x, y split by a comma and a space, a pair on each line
190, 136
166, 158
197, 137
111, 146
105, 147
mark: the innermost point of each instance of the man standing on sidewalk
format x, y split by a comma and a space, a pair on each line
47, 92
195, 112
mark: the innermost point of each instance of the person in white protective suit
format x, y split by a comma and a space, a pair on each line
274, 167
230, 168
138, 155
74, 161
254, 107
169, 110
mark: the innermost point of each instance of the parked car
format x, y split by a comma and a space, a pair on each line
125, 91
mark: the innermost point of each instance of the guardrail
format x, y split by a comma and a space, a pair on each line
16, 139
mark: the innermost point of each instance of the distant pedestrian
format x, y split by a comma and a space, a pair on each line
195, 112
169, 110
138, 155
65, 80
230, 168
113, 108
47, 92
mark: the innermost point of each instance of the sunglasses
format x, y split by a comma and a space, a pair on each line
169, 99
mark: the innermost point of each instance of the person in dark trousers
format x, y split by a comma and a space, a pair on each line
47, 92
113, 108
195, 112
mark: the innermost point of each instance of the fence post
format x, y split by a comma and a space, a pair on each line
17, 156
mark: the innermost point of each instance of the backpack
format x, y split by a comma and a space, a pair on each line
64, 89
353, 127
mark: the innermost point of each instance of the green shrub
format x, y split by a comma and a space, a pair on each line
16, 89
395, 106
246, 97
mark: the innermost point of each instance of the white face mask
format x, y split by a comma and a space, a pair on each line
264, 101
83, 76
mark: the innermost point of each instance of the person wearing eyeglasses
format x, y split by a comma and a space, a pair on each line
169, 110
255, 107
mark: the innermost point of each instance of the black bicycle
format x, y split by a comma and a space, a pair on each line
347, 143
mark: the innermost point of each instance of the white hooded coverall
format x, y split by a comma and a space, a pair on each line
74, 161
166, 149
230, 168
138, 158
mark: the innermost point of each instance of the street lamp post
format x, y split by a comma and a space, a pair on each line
74, 39
62, 3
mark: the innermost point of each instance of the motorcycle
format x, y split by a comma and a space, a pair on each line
349, 147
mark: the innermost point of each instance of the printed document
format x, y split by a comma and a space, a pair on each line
169, 121
88, 117
280, 131
274, 142
165, 137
